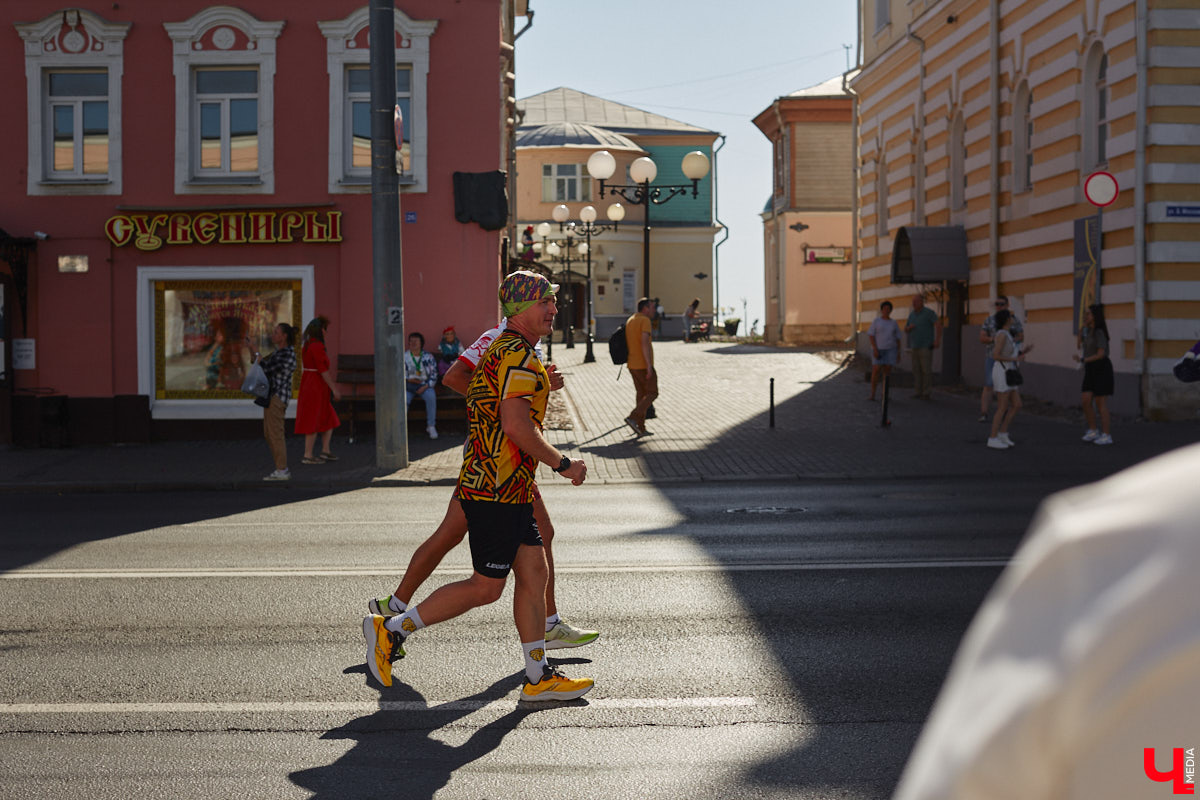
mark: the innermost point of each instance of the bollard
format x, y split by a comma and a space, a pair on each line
772, 402
886, 382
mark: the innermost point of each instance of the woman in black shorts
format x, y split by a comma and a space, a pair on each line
1097, 373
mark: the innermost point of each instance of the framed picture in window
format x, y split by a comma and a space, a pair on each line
206, 332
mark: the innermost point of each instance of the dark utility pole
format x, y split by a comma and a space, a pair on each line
391, 427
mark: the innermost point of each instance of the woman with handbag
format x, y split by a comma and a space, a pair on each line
1008, 357
279, 367
314, 411
1097, 374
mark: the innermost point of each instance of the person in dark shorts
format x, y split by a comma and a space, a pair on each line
1097, 374
506, 403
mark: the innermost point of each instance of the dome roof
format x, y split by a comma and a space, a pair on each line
574, 134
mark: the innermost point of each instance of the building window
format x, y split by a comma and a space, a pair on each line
565, 183
225, 115
958, 163
224, 66
1023, 139
347, 55
883, 14
357, 120
73, 69
1095, 108
881, 199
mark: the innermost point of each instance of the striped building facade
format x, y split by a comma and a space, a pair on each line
989, 115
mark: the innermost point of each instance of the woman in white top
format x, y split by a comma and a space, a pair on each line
1007, 355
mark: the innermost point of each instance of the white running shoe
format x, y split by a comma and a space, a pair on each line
1004, 438
1091, 435
279, 475
564, 634
996, 443
1103, 438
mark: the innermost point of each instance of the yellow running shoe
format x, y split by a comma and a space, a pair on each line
383, 647
555, 686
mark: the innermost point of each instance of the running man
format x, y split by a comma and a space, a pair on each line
506, 402
453, 527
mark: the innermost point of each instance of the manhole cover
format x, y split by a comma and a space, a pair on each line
766, 510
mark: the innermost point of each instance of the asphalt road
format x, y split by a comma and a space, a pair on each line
758, 641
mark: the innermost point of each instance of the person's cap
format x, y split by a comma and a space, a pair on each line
522, 289
448, 329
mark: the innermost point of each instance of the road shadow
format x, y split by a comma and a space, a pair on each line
395, 755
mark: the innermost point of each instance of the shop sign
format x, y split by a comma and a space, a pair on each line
825, 255
150, 231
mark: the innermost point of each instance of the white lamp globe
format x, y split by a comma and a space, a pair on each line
582, 248
643, 170
601, 165
695, 165
588, 213
560, 213
543, 229
537, 247
616, 212
553, 249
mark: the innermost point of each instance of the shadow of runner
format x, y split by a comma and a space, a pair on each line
395, 754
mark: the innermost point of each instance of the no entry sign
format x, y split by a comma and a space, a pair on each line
1100, 188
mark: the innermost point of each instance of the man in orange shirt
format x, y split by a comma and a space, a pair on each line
641, 364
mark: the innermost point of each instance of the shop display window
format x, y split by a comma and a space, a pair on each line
206, 333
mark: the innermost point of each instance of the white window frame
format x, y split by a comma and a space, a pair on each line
342, 50
224, 100
566, 176
1022, 122
191, 52
363, 174
48, 48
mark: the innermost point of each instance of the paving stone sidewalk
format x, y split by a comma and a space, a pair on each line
713, 424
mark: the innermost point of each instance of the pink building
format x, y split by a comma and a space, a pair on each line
182, 176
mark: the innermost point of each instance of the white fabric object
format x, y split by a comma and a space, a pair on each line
1086, 652
475, 352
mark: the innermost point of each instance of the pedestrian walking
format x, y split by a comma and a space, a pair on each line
987, 337
506, 402
278, 366
1098, 381
453, 527
641, 363
884, 334
689, 319
925, 335
1006, 355
314, 410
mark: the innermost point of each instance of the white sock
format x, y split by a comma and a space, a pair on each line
405, 624
552, 620
397, 605
535, 657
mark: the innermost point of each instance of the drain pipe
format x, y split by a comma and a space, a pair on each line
854, 177
919, 178
1139, 205
724, 238
781, 305
994, 168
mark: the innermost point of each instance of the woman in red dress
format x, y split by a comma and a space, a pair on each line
314, 411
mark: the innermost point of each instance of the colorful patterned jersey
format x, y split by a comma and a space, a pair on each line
494, 468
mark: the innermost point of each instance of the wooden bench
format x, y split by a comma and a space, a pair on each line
358, 371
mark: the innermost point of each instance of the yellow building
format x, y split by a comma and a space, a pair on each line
988, 117
808, 225
559, 130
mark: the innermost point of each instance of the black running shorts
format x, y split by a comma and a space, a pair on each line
1098, 378
496, 531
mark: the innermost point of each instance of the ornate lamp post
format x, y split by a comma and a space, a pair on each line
589, 228
560, 251
601, 166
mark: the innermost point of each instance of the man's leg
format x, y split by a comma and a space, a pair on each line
542, 682
638, 415
425, 560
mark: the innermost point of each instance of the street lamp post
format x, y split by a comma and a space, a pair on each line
561, 252
589, 228
601, 165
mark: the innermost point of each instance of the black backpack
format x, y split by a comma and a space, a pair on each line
618, 347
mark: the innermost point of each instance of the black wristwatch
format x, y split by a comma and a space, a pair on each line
563, 465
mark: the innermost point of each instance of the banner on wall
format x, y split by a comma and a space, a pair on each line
1087, 267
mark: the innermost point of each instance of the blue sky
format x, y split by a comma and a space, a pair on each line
713, 64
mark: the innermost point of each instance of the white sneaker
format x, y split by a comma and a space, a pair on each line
996, 443
1004, 438
1091, 435
432, 431
1103, 438
279, 475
